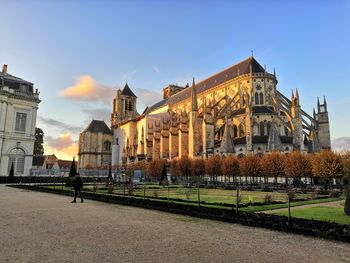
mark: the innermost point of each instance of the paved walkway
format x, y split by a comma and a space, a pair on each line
330, 204
41, 227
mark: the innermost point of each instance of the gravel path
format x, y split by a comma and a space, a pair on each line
41, 227
330, 204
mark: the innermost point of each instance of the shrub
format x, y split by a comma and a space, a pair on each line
188, 195
292, 195
155, 193
334, 193
131, 188
110, 188
268, 199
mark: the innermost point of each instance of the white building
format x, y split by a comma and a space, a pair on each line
18, 110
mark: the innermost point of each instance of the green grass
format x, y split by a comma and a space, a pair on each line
322, 213
292, 204
209, 196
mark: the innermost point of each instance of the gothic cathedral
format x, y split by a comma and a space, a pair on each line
236, 111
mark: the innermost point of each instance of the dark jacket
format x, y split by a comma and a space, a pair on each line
77, 183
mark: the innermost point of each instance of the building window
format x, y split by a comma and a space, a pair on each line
268, 128
235, 131
21, 119
17, 159
107, 146
130, 106
261, 98
262, 129
241, 130
256, 98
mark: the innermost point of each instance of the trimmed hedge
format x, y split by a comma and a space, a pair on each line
307, 227
41, 179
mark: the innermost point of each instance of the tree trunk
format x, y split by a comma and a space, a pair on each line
347, 200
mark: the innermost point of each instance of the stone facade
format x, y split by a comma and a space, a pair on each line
95, 146
18, 112
236, 111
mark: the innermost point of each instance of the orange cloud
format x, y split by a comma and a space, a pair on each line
63, 146
87, 89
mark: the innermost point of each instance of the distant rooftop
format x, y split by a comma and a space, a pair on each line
97, 126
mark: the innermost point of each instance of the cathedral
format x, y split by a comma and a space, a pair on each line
234, 112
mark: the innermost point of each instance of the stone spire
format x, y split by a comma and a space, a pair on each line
274, 141
194, 96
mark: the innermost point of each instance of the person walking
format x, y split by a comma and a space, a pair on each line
77, 185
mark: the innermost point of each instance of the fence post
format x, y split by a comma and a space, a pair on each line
288, 208
168, 192
199, 197
144, 192
237, 200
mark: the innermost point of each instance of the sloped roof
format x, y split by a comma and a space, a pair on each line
14, 78
97, 126
232, 72
65, 164
38, 160
127, 91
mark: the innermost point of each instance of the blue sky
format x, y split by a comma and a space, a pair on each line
62, 44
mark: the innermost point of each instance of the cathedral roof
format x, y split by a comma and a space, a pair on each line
232, 72
127, 91
97, 126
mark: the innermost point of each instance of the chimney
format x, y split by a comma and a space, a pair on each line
4, 69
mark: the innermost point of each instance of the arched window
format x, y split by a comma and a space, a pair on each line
255, 129
262, 129
17, 159
235, 131
268, 128
126, 105
261, 98
286, 131
256, 96
130, 106
241, 130
107, 146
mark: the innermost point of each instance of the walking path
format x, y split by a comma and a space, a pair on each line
330, 204
42, 227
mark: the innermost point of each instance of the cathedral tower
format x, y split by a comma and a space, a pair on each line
322, 125
124, 106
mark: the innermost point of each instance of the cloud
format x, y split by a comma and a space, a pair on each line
148, 97
127, 76
341, 144
64, 147
87, 89
156, 69
61, 126
98, 114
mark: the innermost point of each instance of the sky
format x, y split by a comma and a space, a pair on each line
78, 53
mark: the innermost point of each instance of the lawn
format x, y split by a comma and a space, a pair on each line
190, 194
322, 213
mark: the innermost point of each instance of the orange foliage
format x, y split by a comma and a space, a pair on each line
272, 164
230, 166
250, 166
297, 164
327, 164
